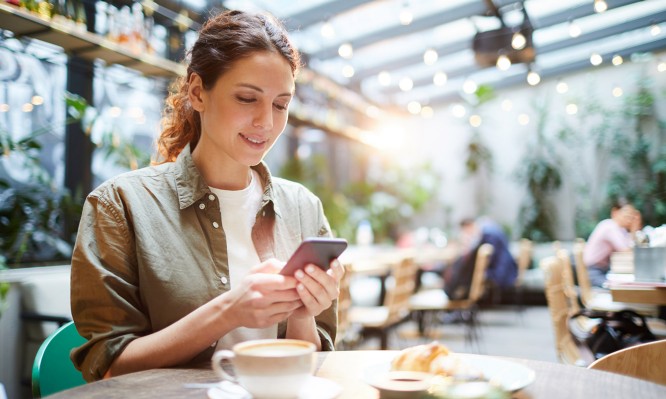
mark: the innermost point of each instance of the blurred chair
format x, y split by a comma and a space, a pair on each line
644, 361
347, 332
380, 320
524, 261
560, 307
53, 371
432, 302
600, 299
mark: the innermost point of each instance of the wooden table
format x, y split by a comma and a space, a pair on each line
632, 292
553, 380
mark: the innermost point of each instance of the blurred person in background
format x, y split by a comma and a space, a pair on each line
502, 268
181, 258
610, 235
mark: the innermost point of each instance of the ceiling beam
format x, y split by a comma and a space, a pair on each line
569, 67
610, 31
319, 13
419, 24
547, 21
450, 15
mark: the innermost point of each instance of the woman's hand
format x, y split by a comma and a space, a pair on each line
264, 297
317, 289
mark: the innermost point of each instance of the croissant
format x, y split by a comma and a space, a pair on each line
419, 358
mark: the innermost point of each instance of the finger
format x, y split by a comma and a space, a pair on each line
328, 284
270, 266
336, 270
314, 295
314, 304
270, 282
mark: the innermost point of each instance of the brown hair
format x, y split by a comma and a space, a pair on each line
223, 40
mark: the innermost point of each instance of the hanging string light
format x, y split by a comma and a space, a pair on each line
440, 78
384, 78
406, 16
533, 78
655, 30
518, 41
617, 60
406, 84
327, 30
596, 59
600, 6
430, 56
574, 29
503, 62
346, 51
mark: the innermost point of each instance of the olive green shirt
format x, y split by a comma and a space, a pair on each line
151, 249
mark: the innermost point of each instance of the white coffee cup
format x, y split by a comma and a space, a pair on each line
269, 368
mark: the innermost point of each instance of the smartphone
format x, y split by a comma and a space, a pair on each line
316, 250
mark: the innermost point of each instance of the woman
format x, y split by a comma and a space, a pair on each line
610, 235
178, 259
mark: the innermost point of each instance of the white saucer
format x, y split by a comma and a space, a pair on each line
314, 388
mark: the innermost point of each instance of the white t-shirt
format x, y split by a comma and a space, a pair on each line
239, 209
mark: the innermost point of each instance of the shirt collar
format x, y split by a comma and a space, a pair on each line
191, 185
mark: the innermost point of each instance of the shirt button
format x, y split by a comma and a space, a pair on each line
216, 225
211, 197
202, 206
224, 280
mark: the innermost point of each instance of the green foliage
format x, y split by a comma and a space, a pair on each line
639, 147
387, 203
478, 155
540, 172
33, 215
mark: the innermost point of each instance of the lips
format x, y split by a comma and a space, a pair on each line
253, 141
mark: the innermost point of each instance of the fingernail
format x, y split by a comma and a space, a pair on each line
309, 269
299, 274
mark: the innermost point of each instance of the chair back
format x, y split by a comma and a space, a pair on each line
568, 280
477, 288
52, 370
404, 275
581, 273
644, 361
524, 259
344, 304
558, 306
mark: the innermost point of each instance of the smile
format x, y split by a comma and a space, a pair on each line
253, 141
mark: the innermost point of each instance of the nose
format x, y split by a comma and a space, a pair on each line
263, 118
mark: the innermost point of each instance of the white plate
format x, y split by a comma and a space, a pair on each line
511, 376
314, 388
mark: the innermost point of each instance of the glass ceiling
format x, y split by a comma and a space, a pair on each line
390, 37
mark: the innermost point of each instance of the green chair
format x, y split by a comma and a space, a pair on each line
53, 371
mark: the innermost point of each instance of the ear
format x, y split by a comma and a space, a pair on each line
195, 92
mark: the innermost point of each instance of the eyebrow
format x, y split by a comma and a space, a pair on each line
253, 87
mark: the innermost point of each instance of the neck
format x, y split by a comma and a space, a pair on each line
223, 175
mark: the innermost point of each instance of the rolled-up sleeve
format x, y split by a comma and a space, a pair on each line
105, 299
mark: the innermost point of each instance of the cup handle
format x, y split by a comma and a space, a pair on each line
217, 359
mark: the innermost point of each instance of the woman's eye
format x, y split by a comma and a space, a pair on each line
245, 99
281, 107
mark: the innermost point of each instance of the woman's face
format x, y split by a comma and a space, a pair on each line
625, 216
246, 110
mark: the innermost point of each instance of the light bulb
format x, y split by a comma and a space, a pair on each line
518, 41
346, 50
430, 57
574, 29
503, 62
533, 78
600, 6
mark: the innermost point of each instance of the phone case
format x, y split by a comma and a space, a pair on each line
318, 251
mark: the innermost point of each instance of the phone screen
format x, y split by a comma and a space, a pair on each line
319, 251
